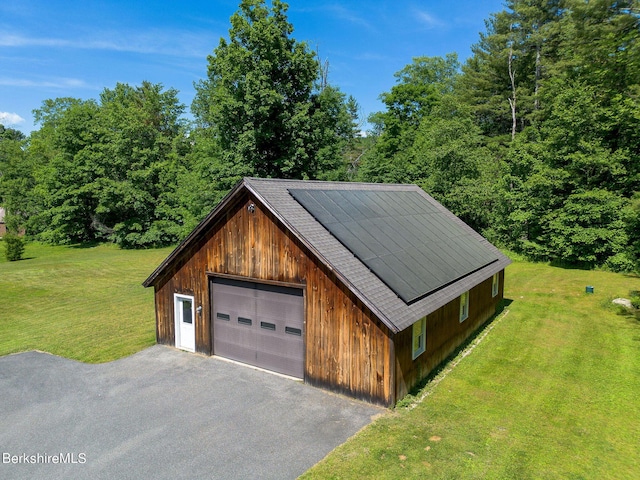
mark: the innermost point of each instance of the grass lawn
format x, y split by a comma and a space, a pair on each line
553, 391
82, 303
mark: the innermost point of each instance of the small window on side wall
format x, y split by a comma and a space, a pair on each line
419, 338
495, 284
464, 306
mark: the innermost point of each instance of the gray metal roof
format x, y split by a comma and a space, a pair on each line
377, 295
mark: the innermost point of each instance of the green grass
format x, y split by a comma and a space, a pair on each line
552, 391
86, 304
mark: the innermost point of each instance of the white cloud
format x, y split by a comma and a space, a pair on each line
374, 57
7, 40
429, 20
52, 83
337, 11
172, 43
345, 14
7, 118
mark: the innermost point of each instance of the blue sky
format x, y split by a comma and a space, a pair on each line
76, 48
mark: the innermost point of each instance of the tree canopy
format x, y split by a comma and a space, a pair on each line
99, 171
263, 100
534, 140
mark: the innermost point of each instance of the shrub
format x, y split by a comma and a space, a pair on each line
620, 262
14, 247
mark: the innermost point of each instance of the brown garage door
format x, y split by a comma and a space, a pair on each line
258, 324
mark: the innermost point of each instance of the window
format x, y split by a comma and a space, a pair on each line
244, 321
268, 326
187, 310
293, 331
419, 337
464, 306
495, 284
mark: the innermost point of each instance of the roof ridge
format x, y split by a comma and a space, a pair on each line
330, 182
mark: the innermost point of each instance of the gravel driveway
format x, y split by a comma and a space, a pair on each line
164, 414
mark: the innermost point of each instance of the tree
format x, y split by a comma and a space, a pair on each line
64, 174
14, 247
420, 87
450, 162
588, 229
633, 230
502, 79
139, 129
554, 87
16, 178
108, 170
263, 102
10, 134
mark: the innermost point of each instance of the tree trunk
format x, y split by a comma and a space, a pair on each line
536, 102
512, 100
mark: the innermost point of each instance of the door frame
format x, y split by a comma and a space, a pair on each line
177, 301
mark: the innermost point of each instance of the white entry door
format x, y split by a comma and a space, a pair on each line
185, 320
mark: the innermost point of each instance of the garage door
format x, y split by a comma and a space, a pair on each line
258, 324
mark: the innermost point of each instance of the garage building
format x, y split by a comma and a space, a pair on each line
358, 288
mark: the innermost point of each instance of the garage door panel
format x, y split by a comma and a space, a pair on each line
259, 324
281, 352
281, 309
237, 341
280, 363
237, 301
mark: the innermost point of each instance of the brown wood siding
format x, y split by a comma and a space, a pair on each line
445, 333
347, 347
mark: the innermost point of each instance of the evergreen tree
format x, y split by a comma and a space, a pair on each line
503, 78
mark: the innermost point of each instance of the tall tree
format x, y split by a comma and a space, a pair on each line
420, 87
503, 78
108, 170
264, 103
450, 161
65, 178
16, 178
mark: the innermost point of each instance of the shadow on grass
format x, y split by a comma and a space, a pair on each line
91, 244
630, 311
571, 265
408, 399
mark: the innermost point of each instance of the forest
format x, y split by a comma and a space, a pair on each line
534, 140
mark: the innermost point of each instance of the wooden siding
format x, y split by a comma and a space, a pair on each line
445, 333
347, 348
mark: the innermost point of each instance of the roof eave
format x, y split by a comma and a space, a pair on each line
204, 224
